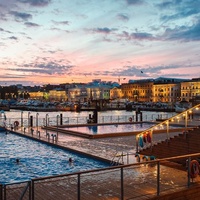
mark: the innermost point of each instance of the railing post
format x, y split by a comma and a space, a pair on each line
79, 187
189, 170
21, 118
29, 119
186, 120
1, 192
46, 122
122, 183
158, 178
32, 190
37, 114
167, 130
57, 118
4, 192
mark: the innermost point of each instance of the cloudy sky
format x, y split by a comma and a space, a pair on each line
59, 41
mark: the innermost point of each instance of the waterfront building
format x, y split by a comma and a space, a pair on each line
138, 91
58, 95
78, 94
99, 92
166, 92
116, 93
190, 90
36, 95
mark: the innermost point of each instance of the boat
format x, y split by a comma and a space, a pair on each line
181, 106
2, 129
4, 107
2, 121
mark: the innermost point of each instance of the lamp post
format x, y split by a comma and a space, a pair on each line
37, 114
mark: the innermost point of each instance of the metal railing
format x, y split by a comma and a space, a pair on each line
36, 121
182, 118
145, 179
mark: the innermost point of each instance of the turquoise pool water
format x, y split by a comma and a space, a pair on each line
117, 128
103, 129
38, 160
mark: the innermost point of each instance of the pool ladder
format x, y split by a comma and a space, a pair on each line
117, 157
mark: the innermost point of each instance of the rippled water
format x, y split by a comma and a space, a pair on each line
37, 160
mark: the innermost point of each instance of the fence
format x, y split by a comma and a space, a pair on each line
140, 180
34, 121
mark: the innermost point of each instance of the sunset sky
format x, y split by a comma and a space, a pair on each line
59, 41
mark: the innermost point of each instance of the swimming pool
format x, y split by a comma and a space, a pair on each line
111, 128
38, 159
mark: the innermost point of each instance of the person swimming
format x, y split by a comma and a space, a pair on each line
17, 161
70, 160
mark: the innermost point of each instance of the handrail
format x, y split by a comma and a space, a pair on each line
116, 167
167, 123
25, 189
121, 167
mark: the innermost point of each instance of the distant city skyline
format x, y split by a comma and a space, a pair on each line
59, 41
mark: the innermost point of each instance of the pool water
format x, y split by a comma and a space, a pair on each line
117, 128
38, 160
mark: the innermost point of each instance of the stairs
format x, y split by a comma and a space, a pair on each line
184, 143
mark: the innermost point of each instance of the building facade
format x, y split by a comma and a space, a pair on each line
166, 92
190, 89
140, 91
